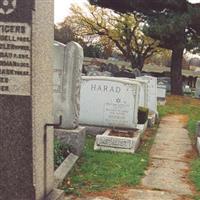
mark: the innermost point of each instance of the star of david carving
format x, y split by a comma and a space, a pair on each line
6, 5
118, 100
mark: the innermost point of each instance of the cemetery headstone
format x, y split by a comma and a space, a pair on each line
109, 102
198, 129
143, 94
152, 92
68, 62
198, 136
94, 73
26, 149
197, 92
166, 81
91, 68
161, 91
143, 99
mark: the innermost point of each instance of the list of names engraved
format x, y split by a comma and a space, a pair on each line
15, 58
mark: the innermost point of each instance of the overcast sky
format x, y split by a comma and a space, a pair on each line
61, 9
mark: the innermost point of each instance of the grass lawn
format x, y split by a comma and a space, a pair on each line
99, 171
190, 107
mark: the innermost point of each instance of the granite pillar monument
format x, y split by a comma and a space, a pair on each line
26, 49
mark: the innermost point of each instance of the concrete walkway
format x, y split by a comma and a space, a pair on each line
166, 177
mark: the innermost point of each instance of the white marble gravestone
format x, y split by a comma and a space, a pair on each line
143, 95
68, 60
161, 91
197, 92
143, 100
109, 102
152, 92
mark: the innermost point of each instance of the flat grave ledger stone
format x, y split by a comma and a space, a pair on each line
68, 60
152, 92
109, 102
108, 142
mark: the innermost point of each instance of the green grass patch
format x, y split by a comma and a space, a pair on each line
99, 171
183, 105
195, 173
61, 151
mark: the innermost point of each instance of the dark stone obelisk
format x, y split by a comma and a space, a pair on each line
26, 153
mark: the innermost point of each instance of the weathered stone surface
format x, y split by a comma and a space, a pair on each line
75, 138
93, 130
197, 92
139, 194
90, 198
161, 91
152, 92
117, 144
26, 151
62, 171
94, 73
143, 94
143, 99
67, 80
151, 119
112, 141
56, 194
168, 169
109, 102
167, 175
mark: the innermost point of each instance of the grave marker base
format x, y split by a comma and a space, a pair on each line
105, 142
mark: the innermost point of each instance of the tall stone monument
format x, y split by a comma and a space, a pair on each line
26, 152
68, 61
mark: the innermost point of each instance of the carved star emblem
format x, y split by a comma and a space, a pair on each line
7, 6
118, 100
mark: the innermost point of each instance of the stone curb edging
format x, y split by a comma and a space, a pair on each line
62, 171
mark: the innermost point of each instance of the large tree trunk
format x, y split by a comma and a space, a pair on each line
176, 70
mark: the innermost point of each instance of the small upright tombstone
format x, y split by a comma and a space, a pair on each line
198, 136
26, 142
143, 100
143, 94
68, 60
152, 92
161, 93
197, 92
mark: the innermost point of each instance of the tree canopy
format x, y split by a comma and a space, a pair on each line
176, 23
123, 30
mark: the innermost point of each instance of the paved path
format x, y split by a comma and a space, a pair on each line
166, 177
